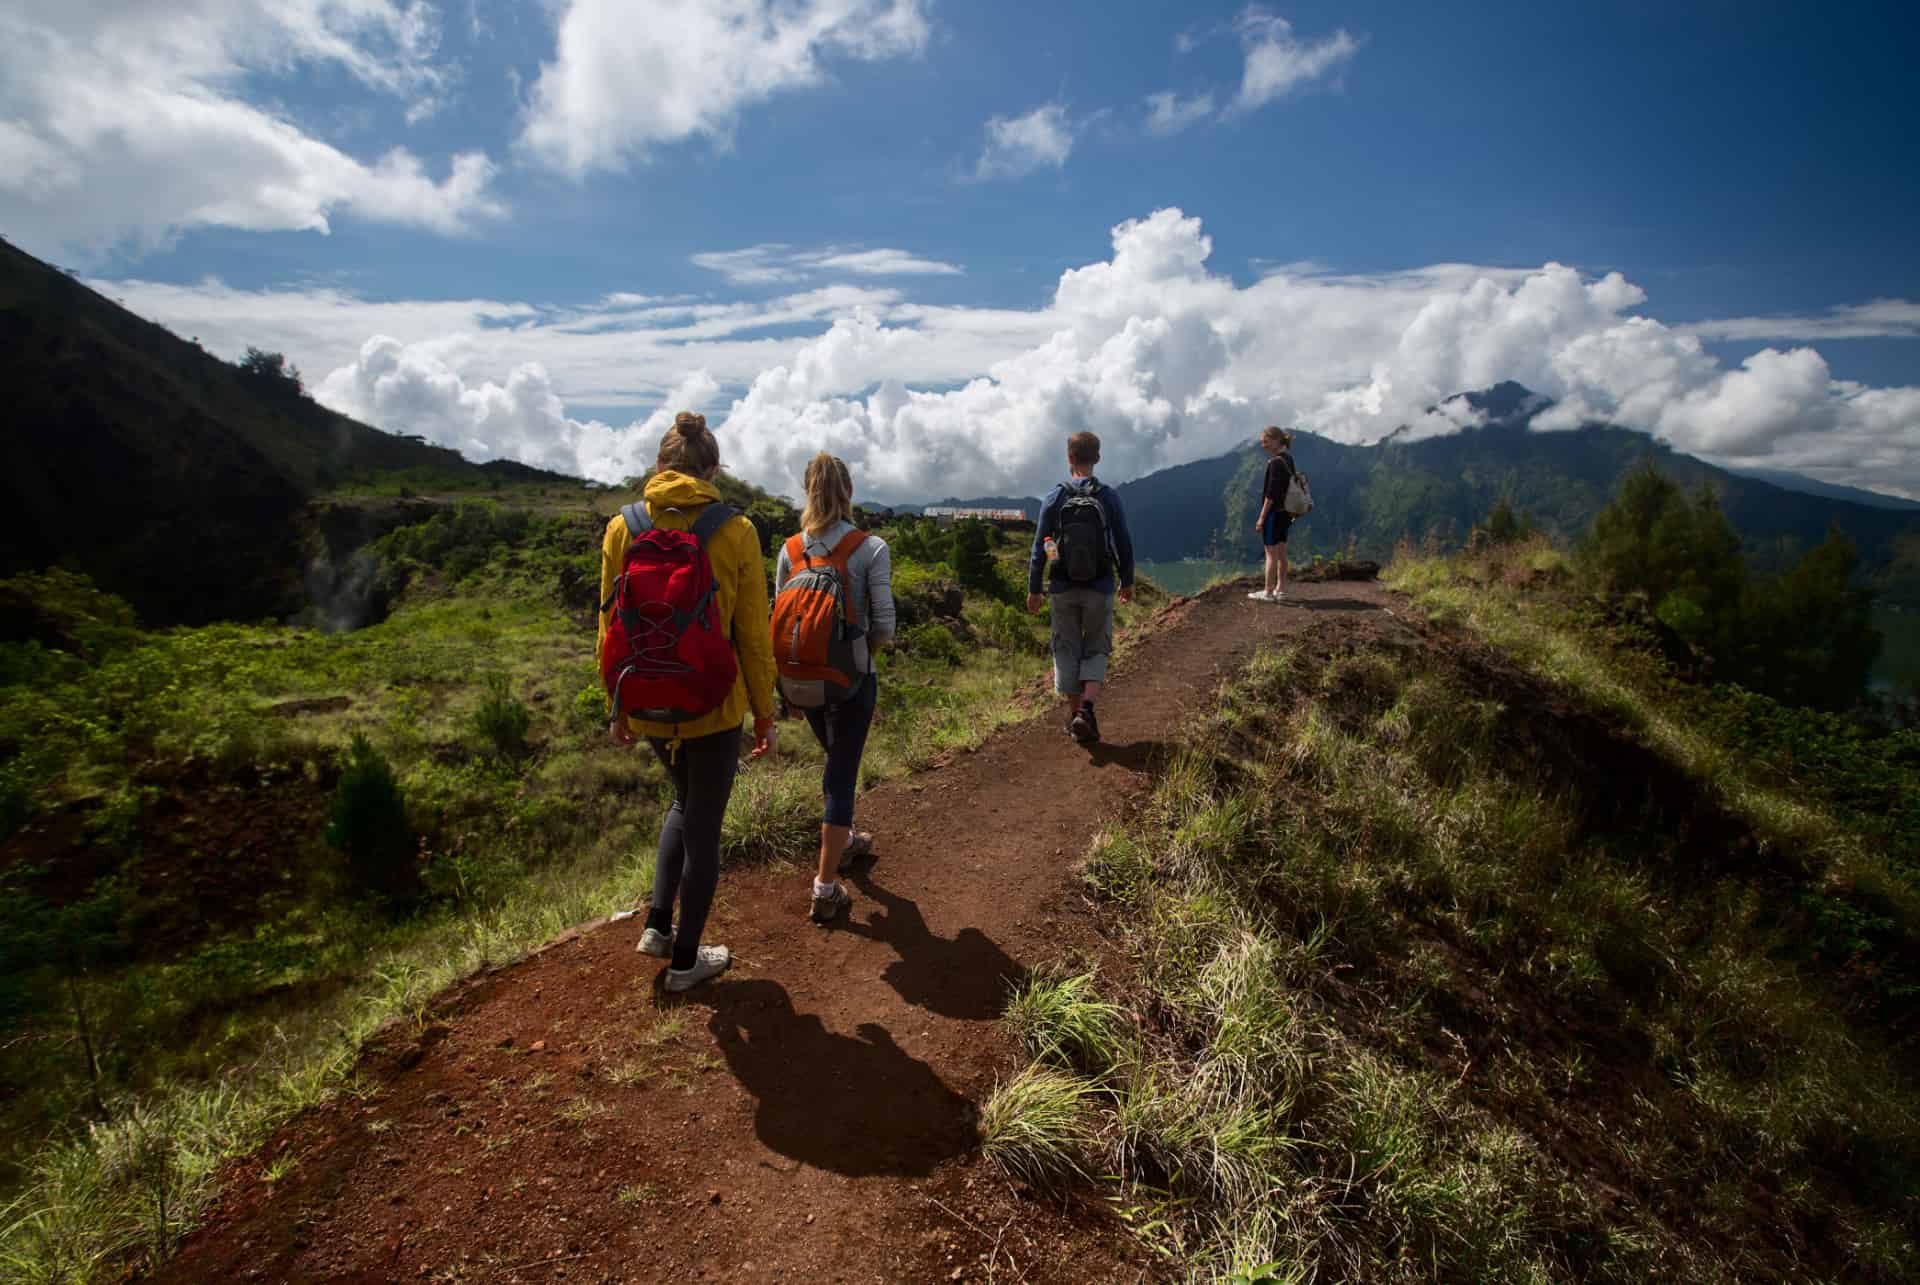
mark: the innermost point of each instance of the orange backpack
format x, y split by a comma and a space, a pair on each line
820, 653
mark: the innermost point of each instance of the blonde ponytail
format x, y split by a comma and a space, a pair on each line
829, 494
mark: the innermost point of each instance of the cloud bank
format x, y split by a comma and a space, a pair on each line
1167, 360
124, 121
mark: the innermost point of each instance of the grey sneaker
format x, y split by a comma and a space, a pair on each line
710, 962
859, 844
825, 908
656, 943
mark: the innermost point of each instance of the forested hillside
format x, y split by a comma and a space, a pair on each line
165, 474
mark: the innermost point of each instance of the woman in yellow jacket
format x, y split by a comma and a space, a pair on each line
702, 756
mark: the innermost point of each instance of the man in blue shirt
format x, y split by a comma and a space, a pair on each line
1083, 523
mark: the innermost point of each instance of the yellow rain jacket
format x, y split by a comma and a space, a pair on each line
740, 581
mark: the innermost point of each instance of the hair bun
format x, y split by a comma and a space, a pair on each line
688, 424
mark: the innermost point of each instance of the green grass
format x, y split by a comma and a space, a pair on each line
1414, 996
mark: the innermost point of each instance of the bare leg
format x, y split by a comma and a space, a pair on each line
1279, 555
1269, 579
833, 841
1089, 692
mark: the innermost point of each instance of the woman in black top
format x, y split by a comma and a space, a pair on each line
1274, 519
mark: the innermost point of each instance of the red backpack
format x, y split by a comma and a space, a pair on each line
820, 653
665, 658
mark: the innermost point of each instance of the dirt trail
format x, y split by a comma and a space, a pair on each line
807, 1117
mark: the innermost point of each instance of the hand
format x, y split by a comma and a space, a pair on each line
1256, 526
1033, 603
618, 732
1126, 593
763, 733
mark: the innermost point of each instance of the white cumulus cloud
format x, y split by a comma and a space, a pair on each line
1018, 145
126, 120
1167, 360
624, 81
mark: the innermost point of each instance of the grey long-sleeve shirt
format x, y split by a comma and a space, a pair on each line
869, 580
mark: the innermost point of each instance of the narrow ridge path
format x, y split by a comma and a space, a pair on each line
810, 1116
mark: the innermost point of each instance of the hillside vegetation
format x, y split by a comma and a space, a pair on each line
166, 475
1484, 947
227, 853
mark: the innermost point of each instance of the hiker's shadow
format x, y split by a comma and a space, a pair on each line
860, 1107
1134, 756
966, 976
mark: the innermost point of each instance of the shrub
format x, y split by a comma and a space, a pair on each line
369, 824
1007, 627
501, 719
931, 641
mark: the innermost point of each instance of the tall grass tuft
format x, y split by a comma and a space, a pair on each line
1060, 1020
1034, 1127
772, 816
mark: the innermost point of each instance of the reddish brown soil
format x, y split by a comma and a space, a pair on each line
810, 1116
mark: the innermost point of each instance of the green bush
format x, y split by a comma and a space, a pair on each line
973, 562
931, 641
501, 719
1007, 627
369, 824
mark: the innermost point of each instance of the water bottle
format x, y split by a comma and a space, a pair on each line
1052, 549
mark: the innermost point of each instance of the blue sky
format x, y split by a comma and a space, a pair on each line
446, 215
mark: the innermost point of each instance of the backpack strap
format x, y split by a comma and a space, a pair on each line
843, 552
711, 519
636, 518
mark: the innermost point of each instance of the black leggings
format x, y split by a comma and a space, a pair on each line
689, 858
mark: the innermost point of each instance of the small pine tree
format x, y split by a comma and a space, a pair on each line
501, 719
1504, 526
369, 824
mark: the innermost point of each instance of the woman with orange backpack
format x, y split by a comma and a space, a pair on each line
684, 652
832, 610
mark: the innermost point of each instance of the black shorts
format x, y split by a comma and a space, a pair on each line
1274, 530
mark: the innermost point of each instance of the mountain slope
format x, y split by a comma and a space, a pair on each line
158, 469
1439, 487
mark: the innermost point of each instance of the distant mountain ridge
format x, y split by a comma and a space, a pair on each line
1370, 497
158, 469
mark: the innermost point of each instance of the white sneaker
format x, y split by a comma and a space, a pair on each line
654, 942
1261, 595
711, 962
1280, 596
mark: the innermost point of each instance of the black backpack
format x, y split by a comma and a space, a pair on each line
1085, 543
